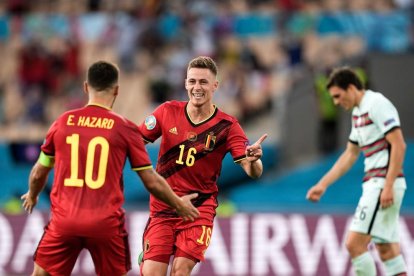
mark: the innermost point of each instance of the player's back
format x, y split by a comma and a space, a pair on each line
90, 147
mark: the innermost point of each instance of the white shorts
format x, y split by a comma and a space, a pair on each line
371, 219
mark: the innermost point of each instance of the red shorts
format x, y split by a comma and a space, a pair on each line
57, 254
163, 235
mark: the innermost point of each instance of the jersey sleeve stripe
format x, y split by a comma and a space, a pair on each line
146, 167
147, 139
353, 142
239, 158
391, 129
46, 160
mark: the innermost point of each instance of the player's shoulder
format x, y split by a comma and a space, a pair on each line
174, 104
225, 116
120, 120
374, 96
378, 99
66, 114
124, 121
169, 107
72, 111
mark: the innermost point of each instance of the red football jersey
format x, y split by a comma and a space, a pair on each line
191, 154
90, 146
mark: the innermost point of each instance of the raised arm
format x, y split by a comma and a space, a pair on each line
341, 166
158, 187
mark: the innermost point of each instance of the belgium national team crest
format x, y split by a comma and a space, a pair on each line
210, 142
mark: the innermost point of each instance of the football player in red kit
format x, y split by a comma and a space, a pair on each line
196, 136
88, 148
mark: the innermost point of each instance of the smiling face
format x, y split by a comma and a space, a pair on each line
201, 84
345, 98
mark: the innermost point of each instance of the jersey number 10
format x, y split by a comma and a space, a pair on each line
74, 180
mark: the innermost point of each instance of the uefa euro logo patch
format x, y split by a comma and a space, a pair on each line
150, 122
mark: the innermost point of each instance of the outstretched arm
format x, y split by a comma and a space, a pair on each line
341, 166
252, 165
158, 187
37, 181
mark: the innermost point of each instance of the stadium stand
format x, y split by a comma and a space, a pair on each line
269, 55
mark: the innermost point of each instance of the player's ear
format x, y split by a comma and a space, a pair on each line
351, 87
216, 84
85, 87
116, 90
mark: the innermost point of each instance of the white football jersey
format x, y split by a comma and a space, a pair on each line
371, 121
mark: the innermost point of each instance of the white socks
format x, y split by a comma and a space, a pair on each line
395, 266
364, 265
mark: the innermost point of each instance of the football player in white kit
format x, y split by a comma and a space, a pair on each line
376, 132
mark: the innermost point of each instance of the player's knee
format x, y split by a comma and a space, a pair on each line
38, 271
354, 248
181, 270
357, 244
150, 272
387, 251
153, 268
384, 252
350, 246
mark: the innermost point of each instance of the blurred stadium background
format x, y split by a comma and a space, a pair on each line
273, 56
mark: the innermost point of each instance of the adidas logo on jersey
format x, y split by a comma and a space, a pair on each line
174, 131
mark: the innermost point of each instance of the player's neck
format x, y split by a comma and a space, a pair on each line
359, 95
105, 100
200, 113
100, 102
